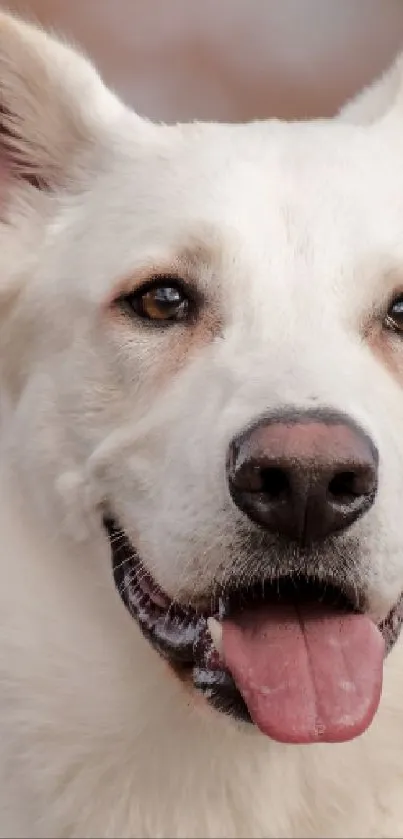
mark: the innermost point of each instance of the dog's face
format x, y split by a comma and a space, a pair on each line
202, 340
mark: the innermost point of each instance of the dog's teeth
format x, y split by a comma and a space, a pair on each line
215, 629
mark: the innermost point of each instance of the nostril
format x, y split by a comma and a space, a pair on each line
275, 483
346, 487
272, 482
342, 488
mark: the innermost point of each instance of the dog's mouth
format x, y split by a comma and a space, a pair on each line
296, 657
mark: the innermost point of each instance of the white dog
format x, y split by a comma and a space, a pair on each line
201, 364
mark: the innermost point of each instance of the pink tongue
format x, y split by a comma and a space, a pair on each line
306, 674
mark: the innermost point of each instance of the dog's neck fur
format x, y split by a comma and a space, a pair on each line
95, 748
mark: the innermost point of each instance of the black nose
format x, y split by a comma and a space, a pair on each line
303, 477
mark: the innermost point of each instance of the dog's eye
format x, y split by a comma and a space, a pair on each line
394, 317
159, 301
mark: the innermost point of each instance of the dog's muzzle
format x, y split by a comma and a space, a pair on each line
294, 653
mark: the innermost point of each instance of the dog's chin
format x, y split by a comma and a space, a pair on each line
183, 634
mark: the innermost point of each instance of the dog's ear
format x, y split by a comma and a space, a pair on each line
377, 99
55, 112
52, 104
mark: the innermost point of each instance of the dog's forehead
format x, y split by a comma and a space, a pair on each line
266, 175
297, 202
264, 165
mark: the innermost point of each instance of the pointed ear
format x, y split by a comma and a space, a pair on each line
377, 99
52, 105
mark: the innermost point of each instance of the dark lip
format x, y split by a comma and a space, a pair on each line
180, 633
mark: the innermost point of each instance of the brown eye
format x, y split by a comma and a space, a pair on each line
160, 302
394, 317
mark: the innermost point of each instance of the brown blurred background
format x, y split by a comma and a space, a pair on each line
230, 59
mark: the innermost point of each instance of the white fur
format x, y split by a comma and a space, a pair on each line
295, 238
